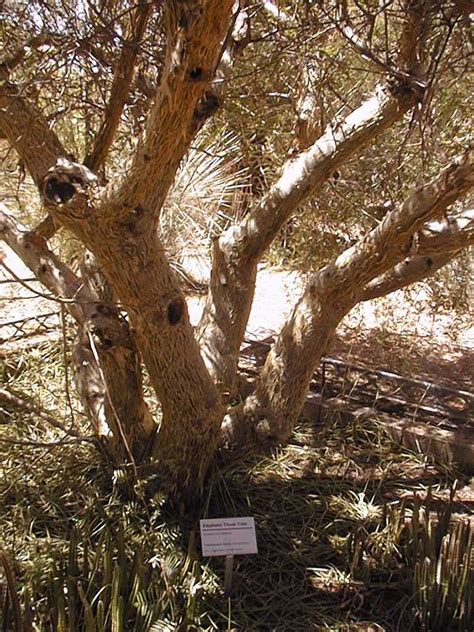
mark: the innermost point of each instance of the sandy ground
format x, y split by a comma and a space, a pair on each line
396, 333
20, 301
275, 294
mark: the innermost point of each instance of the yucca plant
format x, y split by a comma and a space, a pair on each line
206, 197
10, 609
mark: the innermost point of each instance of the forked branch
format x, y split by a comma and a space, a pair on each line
332, 292
436, 245
196, 33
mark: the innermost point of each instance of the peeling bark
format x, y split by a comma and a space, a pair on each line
436, 245
308, 109
269, 414
237, 252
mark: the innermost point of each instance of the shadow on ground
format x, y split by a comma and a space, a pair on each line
329, 511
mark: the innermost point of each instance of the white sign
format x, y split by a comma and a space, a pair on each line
228, 536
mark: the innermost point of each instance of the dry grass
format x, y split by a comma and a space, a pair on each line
354, 533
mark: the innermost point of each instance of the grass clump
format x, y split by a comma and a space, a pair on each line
354, 533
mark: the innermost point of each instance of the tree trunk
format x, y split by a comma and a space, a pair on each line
191, 407
269, 414
130, 255
107, 367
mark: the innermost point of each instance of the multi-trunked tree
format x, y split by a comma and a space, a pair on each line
128, 303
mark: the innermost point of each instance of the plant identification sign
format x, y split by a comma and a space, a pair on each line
228, 536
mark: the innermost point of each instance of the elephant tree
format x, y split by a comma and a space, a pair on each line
129, 303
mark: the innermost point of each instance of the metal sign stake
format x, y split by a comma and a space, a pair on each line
229, 564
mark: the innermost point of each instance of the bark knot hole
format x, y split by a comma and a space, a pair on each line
175, 311
195, 74
59, 192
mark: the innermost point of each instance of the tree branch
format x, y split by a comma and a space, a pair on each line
122, 401
195, 36
411, 270
237, 251
395, 237
448, 235
409, 53
24, 402
236, 41
46, 266
283, 382
301, 176
437, 245
28, 132
275, 12
12, 61
123, 76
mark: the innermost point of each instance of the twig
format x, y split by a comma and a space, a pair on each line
117, 418
23, 401
66, 364
44, 444
50, 297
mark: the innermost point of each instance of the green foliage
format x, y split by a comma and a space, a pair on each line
117, 565
205, 197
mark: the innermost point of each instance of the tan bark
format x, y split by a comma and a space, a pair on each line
111, 389
307, 108
131, 256
237, 252
191, 409
234, 44
118, 224
196, 33
112, 392
436, 245
449, 234
114, 404
123, 76
26, 129
270, 413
